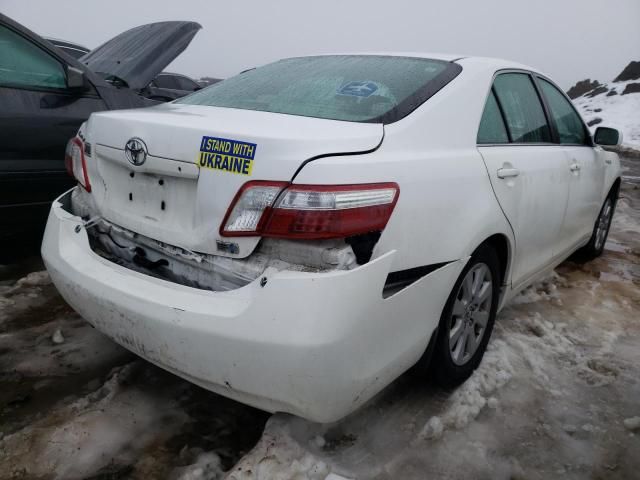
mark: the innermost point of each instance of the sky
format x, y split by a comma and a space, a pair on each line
567, 39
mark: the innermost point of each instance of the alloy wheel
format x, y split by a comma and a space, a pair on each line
602, 225
470, 313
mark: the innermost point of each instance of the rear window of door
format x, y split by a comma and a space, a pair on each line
23, 64
569, 124
492, 128
523, 111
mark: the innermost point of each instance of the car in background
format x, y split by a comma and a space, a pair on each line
164, 88
70, 48
46, 95
169, 86
298, 236
206, 81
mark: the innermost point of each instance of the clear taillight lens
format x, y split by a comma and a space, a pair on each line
310, 211
247, 213
75, 162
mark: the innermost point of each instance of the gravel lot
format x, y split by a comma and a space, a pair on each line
557, 395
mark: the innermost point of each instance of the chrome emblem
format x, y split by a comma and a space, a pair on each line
136, 151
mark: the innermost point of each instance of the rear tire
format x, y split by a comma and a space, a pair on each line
467, 319
595, 247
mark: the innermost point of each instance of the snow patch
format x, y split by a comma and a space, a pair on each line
468, 400
433, 428
106, 426
277, 456
617, 111
547, 289
206, 467
34, 279
57, 337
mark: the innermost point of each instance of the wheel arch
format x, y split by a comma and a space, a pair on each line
501, 244
615, 187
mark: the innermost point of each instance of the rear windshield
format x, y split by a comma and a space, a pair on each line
356, 88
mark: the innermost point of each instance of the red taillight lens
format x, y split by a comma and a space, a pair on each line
310, 211
76, 163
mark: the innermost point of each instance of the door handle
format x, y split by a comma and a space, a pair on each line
574, 167
508, 172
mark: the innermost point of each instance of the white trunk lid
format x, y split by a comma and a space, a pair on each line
171, 198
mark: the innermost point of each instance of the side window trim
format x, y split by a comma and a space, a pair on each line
511, 143
555, 136
502, 116
590, 143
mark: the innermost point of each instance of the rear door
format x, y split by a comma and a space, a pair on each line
39, 115
587, 169
527, 170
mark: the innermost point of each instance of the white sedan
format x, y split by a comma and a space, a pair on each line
298, 236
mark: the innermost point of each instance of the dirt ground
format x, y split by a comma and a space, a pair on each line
557, 395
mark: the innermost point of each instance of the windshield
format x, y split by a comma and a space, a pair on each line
357, 88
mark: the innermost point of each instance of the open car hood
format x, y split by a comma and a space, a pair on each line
138, 55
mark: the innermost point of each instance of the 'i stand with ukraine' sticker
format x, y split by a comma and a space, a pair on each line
226, 155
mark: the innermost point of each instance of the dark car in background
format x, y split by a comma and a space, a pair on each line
164, 88
169, 86
46, 95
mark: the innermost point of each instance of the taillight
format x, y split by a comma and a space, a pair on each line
75, 162
249, 208
275, 209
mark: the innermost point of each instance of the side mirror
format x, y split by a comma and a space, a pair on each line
75, 79
607, 136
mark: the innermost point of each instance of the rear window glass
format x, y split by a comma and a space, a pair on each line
357, 88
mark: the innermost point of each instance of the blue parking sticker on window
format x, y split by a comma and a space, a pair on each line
358, 89
227, 155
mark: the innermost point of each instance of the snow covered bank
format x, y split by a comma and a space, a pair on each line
619, 111
614, 104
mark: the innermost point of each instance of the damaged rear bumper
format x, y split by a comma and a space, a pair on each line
317, 345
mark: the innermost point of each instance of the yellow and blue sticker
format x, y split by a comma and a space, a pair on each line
226, 155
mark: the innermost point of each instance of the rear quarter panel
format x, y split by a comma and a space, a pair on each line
446, 206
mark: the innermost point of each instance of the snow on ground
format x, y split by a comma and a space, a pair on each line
73, 404
555, 396
617, 111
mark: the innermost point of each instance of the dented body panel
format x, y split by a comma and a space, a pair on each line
175, 199
316, 345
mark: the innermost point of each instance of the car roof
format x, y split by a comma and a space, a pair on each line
464, 60
495, 64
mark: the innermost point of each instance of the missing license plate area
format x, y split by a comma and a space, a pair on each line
143, 187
